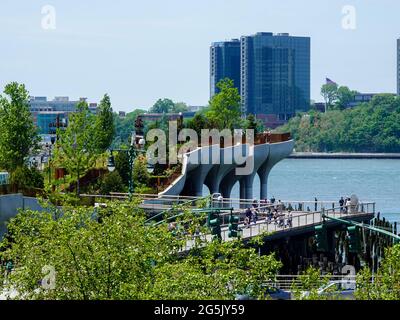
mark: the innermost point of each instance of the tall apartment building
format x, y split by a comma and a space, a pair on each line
274, 75
224, 63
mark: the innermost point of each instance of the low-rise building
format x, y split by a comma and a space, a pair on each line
48, 114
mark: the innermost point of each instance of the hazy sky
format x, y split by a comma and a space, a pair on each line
139, 51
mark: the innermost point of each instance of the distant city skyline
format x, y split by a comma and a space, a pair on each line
139, 52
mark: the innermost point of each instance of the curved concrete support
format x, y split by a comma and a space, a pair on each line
196, 177
221, 175
278, 151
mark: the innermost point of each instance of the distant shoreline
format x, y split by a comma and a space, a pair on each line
343, 155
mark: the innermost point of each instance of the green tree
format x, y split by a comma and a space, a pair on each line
224, 111
163, 106
111, 182
308, 283
329, 92
24, 177
197, 123
253, 123
124, 127
76, 149
140, 174
179, 107
104, 125
112, 254
344, 96
18, 135
122, 166
386, 282
368, 127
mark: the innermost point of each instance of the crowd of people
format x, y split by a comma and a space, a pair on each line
273, 211
276, 212
345, 204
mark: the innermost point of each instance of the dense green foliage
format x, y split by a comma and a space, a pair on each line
254, 124
24, 177
369, 127
18, 135
140, 174
76, 149
197, 123
168, 106
105, 128
124, 127
110, 253
122, 166
111, 182
224, 110
336, 96
386, 282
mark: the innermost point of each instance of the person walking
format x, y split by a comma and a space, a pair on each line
279, 206
248, 214
341, 204
254, 215
220, 201
289, 219
281, 220
316, 204
348, 204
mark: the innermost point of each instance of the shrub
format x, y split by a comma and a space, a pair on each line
111, 182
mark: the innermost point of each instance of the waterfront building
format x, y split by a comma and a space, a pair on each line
195, 108
224, 63
274, 74
363, 98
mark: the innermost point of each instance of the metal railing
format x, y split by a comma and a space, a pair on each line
288, 282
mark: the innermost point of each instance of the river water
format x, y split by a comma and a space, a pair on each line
372, 180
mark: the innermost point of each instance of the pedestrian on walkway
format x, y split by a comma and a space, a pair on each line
254, 215
341, 204
316, 204
348, 204
248, 214
281, 220
289, 220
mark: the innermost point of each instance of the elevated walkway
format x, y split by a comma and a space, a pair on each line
301, 222
216, 167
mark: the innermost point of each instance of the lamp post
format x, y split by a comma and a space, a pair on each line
49, 147
132, 154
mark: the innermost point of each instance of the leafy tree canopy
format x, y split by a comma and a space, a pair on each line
105, 127
18, 135
110, 253
168, 106
368, 127
224, 111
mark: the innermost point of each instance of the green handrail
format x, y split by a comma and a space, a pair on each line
205, 210
362, 225
181, 204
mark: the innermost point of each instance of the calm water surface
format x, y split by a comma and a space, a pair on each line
375, 180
